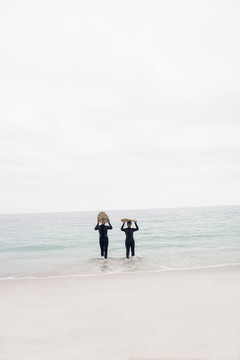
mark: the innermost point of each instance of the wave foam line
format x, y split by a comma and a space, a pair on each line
116, 272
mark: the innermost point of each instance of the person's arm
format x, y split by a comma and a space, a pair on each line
137, 228
96, 227
122, 226
110, 226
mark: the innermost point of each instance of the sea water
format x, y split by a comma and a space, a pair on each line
65, 244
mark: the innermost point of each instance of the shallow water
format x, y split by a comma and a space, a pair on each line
63, 244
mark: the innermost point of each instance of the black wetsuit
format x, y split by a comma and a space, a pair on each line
103, 238
129, 243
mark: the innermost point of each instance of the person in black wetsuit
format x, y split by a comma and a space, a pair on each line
129, 243
103, 237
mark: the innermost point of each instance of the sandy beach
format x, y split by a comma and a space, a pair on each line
172, 315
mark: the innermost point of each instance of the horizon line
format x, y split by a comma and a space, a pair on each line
107, 210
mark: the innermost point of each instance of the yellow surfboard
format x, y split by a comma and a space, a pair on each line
126, 220
102, 216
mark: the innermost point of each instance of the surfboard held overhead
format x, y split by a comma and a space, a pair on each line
102, 216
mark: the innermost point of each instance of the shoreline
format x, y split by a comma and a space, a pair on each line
219, 266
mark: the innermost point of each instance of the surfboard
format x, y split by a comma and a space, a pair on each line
102, 216
126, 220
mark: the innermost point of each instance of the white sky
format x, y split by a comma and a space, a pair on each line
119, 104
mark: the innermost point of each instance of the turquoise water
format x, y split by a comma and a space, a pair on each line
63, 244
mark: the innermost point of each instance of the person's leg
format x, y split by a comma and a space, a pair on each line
106, 248
127, 250
133, 248
101, 243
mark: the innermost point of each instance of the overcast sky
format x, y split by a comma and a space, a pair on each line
119, 104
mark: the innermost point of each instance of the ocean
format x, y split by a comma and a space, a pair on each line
65, 244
